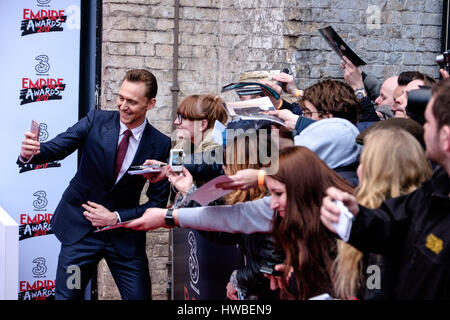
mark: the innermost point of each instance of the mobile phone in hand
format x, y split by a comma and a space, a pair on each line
344, 226
176, 160
35, 128
270, 271
283, 85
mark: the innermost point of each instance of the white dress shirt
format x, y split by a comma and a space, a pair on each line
133, 144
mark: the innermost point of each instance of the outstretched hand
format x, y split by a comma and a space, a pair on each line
352, 74
242, 180
291, 87
330, 212
154, 177
182, 181
153, 218
289, 118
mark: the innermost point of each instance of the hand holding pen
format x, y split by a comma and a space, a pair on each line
154, 177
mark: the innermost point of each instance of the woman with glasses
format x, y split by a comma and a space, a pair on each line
323, 100
196, 116
330, 98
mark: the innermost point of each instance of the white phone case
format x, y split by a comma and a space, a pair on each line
175, 162
344, 226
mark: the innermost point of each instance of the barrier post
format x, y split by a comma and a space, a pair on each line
9, 257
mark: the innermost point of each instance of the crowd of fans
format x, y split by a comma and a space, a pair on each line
354, 141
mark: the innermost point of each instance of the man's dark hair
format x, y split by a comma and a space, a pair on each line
441, 107
407, 76
141, 75
334, 97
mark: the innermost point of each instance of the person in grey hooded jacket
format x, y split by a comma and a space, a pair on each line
334, 141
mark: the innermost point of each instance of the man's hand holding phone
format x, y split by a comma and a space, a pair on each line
31, 145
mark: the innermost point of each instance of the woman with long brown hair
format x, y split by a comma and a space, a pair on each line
246, 282
297, 191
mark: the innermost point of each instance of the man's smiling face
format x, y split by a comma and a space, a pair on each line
133, 104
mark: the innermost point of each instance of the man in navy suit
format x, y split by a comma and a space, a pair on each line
102, 193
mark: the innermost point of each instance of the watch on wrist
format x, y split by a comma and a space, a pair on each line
360, 93
169, 219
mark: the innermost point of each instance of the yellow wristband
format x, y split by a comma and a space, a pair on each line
279, 106
299, 93
261, 174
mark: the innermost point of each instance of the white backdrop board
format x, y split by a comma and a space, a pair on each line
40, 81
9, 256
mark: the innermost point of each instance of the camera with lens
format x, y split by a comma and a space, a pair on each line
417, 103
283, 85
443, 60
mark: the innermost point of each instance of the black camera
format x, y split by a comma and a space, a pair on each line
417, 103
283, 85
443, 60
270, 271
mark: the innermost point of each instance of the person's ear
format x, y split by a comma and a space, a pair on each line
204, 124
150, 104
445, 138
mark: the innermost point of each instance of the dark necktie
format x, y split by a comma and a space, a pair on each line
122, 151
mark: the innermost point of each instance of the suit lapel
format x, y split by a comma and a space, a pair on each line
111, 136
145, 148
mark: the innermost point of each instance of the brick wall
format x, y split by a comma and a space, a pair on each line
406, 36
220, 39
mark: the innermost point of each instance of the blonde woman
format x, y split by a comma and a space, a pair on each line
392, 164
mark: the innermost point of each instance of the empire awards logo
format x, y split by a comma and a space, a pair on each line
40, 269
43, 3
25, 167
194, 268
41, 201
43, 66
44, 88
39, 224
43, 20
39, 289
43, 133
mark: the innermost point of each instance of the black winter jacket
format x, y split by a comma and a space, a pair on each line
415, 230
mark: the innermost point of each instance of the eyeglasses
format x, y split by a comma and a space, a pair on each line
308, 114
180, 118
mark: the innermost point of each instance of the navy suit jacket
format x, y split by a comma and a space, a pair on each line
97, 136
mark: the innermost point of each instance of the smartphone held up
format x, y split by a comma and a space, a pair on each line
35, 128
176, 160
